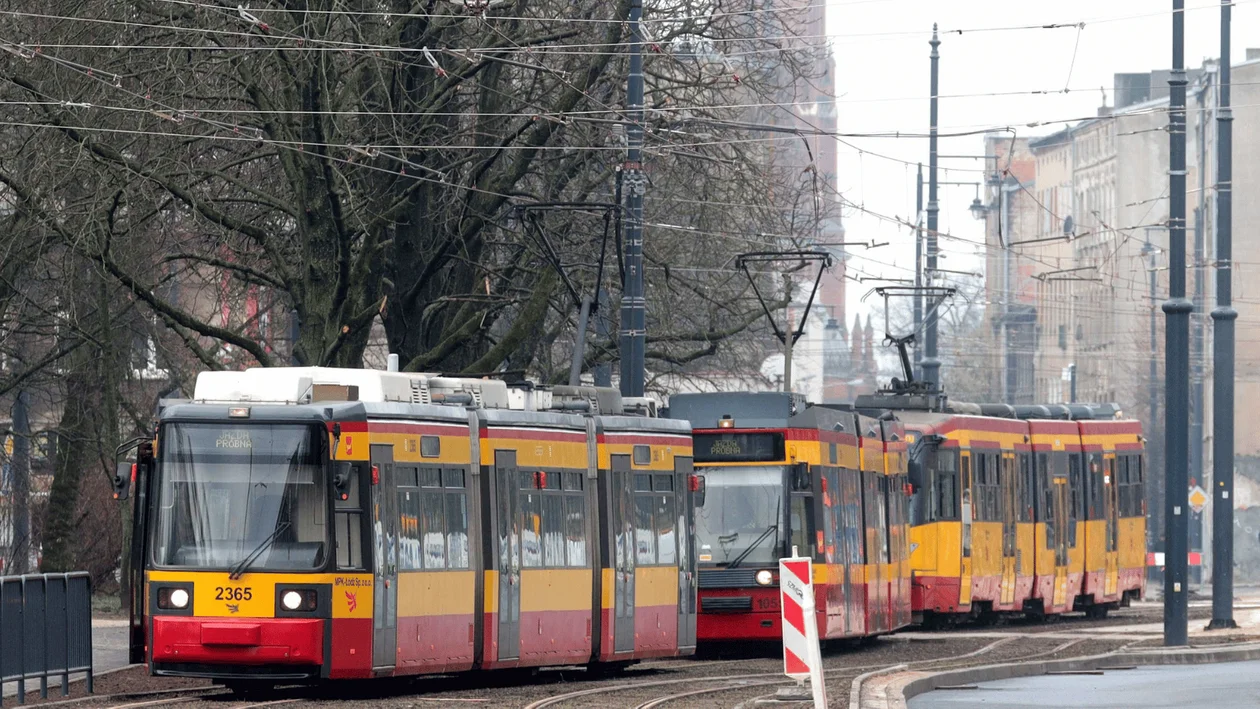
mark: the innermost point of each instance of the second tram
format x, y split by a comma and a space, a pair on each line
780, 474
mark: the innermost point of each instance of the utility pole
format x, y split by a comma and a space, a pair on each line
1177, 311
633, 333
20, 464
1223, 316
931, 365
1155, 488
1072, 383
918, 273
1198, 334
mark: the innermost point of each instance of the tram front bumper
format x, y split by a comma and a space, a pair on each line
238, 641
739, 614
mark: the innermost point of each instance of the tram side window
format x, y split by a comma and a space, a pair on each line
896, 516
644, 532
433, 511
410, 554
1046, 495
1122, 485
663, 498
802, 522
553, 527
1139, 484
575, 520
1129, 472
454, 485
945, 485
1027, 488
433, 539
881, 503
531, 528
978, 495
348, 522
554, 508
1075, 493
856, 521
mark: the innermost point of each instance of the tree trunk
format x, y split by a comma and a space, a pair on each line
74, 455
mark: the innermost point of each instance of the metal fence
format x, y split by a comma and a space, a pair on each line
45, 630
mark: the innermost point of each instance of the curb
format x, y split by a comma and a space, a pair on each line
898, 697
855, 689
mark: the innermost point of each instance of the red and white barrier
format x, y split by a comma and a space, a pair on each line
802, 656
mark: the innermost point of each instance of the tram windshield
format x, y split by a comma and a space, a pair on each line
246, 497
741, 523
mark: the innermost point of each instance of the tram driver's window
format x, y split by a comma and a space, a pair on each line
348, 523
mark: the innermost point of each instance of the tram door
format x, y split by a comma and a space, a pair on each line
621, 498
1059, 488
685, 506
964, 585
1008, 486
1111, 511
508, 521
385, 560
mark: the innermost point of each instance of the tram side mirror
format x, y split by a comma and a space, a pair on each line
800, 477
696, 483
341, 481
124, 475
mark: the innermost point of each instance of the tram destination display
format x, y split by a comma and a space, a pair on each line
738, 447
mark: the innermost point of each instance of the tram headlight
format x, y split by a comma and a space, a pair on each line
173, 598
296, 600
764, 577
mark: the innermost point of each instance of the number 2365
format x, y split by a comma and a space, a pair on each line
231, 593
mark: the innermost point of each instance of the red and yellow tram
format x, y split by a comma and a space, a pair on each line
780, 474
1027, 509
305, 523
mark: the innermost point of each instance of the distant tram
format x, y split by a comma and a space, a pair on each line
310, 524
1035, 510
780, 474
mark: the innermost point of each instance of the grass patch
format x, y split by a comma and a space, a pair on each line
106, 604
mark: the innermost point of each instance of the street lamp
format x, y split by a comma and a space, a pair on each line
978, 209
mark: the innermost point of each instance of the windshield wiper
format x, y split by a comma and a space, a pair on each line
243, 564
744, 554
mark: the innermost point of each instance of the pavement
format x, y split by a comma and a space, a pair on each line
1230, 685
109, 652
1206, 674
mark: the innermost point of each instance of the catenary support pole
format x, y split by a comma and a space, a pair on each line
918, 274
1177, 345
1155, 484
633, 333
1223, 316
931, 364
788, 339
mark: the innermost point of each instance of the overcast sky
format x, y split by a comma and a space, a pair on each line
881, 50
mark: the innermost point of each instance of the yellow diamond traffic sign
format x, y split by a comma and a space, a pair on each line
1198, 498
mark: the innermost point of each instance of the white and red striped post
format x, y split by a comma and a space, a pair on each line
802, 656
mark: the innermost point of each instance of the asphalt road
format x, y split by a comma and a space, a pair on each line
1234, 685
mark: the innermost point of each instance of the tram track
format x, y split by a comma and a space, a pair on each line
662, 685
732, 683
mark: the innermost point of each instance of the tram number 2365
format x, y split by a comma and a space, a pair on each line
233, 593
